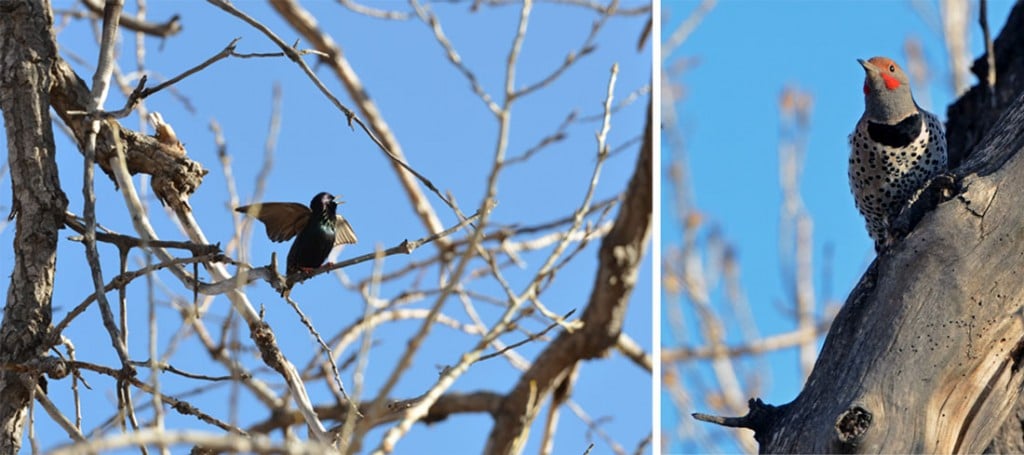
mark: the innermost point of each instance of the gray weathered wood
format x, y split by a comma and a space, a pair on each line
925, 356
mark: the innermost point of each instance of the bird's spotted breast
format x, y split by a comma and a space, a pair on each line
889, 163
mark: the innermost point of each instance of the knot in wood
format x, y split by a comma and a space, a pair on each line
55, 367
184, 408
852, 424
266, 342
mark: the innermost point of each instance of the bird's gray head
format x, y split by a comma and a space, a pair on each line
887, 97
324, 203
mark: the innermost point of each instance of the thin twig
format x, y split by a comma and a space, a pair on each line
349, 114
370, 294
373, 12
163, 30
56, 415
101, 84
163, 366
121, 281
685, 28
269, 273
990, 53
572, 57
312, 331
208, 440
527, 340
126, 241
431, 20
412, 414
224, 53
767, 344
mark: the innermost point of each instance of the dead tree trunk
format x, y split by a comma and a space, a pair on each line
925, 356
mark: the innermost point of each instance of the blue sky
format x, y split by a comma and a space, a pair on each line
746, 52
447, 135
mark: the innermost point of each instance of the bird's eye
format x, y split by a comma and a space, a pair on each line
892, 68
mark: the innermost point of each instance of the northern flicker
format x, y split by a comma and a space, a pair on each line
895, 149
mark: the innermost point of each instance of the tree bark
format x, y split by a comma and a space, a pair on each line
173, 177
926, 354
27, 54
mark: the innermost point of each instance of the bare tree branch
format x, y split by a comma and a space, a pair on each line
620, 254
164, 30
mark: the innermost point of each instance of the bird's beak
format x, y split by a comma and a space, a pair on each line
337, 199
868, 67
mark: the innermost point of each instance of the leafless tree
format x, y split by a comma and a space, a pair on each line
450, 281
703, 260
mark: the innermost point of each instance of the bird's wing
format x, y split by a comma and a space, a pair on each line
343, 232
282, 219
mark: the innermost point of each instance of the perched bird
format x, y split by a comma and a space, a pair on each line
316, 229
895, 150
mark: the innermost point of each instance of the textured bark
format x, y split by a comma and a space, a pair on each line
27, 54
620, 255
925, 356
973, 113
174, 177
971, 117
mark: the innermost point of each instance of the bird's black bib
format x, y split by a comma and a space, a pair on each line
899, 135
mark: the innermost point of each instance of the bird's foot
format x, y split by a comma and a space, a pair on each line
296, 275
310, 271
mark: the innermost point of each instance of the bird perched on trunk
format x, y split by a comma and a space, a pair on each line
896, 148
317, 229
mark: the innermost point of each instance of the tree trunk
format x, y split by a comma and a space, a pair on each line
27, 54
926, 354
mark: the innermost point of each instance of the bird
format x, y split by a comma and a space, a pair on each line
896, 148
317, 229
